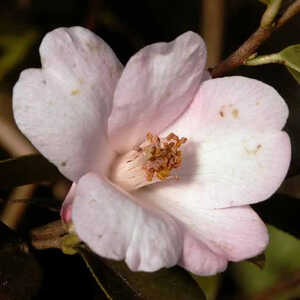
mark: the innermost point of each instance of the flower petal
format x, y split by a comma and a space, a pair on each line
66, 209
230, 103
157, 85
116, 227
63, 108
233, 233
199, 259
230, 161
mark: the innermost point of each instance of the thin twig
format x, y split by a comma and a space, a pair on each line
290, 12
249, 47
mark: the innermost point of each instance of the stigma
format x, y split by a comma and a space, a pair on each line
150, 162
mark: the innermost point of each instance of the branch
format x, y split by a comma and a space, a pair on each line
290, 12
249, 47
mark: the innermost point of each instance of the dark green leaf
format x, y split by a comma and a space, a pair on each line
20, 274
27, 169
118, 282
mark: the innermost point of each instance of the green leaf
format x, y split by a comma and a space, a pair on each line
27, 169
295, 74
118, 282
210, 285
277, 280
15, 49
291, 57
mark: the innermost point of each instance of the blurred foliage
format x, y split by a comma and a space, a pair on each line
281, 272
14, 49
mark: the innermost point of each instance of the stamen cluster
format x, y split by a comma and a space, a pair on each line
162, 155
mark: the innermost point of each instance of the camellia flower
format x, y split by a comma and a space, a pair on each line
164, 160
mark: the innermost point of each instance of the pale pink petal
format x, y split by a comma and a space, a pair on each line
199, 259
114, 226
233, 233
234, 158
63, 108
66, 209
157, 85
232, 170
230, 103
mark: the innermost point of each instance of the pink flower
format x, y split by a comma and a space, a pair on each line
139, 197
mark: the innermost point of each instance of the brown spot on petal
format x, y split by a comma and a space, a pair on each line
221, 113
235, 113
63, 164
92, 47
253, 152
74, 92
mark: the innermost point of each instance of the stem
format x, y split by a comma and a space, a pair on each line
238, 57
249, 47
291, 11
270, 13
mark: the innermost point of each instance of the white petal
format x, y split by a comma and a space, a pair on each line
114, 226
233, 233
156, 86
63, 108
236, 153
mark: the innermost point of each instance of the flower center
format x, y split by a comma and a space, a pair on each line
148, 163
